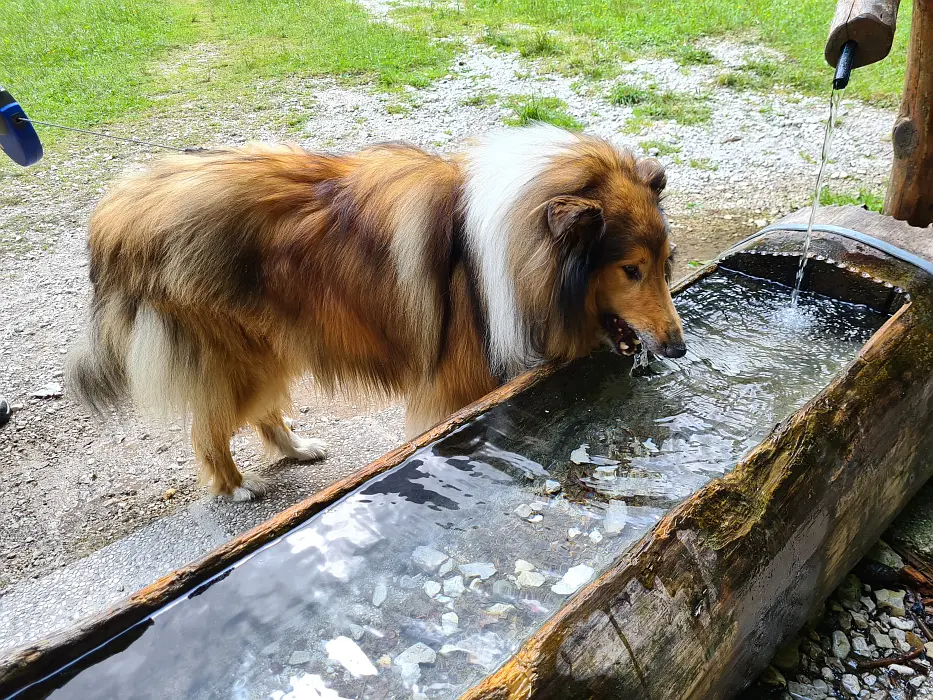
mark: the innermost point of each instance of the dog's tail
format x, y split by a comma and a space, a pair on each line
132, 351
95, 369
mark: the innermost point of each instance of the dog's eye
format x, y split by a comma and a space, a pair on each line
632, 271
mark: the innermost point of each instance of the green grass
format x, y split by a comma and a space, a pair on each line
628, 95
480, 99
87, 61
703, 164
278, 38
665, 27
664, 148
870, 200
677, 106
540, 44
690, 55
551, 110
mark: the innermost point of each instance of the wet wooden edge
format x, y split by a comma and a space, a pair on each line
669, 619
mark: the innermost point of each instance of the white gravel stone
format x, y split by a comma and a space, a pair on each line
522, 565
453, 586
299, 657
841, 646
901, 670
616, 517
860, 647
892, 601
881, 639
499, 609
552, 486
419, 653
530, 579
478, 570
902, 624
347, 653
379, 594
523, 511
596, 536
573, 532
450, 622
431, 588
575, 578
851, 685
428, 560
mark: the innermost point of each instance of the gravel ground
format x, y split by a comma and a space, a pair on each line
859, 645
74, 486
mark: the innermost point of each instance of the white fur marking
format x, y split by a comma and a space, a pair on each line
499, 170
412, 224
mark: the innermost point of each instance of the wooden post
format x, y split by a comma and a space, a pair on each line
870, 23
910, 191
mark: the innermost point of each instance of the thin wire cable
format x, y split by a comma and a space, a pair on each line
106, 136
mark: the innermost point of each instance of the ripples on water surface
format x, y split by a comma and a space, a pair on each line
382, 595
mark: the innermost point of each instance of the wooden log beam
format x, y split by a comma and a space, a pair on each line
910, 191
870, 23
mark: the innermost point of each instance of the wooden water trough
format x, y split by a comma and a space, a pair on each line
695, 607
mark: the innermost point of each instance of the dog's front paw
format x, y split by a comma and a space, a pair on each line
252, 488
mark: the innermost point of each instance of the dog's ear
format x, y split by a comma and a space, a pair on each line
575, 220
577, 225
652, 174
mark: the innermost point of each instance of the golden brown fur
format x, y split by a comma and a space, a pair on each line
221, 278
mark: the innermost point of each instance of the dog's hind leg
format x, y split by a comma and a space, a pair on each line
278, 437
212, 448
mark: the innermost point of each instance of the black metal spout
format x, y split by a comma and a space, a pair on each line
844, 66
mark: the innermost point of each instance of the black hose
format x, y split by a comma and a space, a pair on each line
844, 66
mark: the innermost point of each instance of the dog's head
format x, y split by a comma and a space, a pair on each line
614, 259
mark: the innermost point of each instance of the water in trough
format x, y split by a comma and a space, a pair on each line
431, 575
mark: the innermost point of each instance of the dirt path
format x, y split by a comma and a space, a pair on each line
73, 486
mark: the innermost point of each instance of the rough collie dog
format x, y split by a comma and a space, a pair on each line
220, 278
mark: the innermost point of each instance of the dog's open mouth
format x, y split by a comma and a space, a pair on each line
622, 336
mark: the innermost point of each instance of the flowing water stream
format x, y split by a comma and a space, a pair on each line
834, 100
431, 575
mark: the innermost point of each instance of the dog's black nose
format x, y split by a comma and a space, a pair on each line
674, 350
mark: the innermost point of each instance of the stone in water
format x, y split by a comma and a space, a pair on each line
616, 517
345, 651
454, 586
522, 565
499, 609
419, 653
552, 486
477, 570
523, 511
427, 559
449, 623
530, 579
379, 594
575, 578
299, 657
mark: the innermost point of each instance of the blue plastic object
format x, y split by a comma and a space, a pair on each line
17, 137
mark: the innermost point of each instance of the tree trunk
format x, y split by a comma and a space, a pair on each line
910, 192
